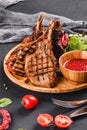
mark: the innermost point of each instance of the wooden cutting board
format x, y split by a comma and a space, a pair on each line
62, 86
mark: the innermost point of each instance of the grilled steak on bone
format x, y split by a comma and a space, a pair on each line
41, 66
35, 59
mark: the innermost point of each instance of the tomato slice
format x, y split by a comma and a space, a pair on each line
9, 67
25, 40
9, 62
11, 57
62, 121
45, 120
64, 40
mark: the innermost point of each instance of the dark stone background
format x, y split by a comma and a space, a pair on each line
76, 10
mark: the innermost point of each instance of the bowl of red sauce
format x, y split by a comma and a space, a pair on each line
73, 66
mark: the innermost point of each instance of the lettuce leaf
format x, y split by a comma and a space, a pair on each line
77, 42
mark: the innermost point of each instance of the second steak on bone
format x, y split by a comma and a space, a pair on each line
41, 66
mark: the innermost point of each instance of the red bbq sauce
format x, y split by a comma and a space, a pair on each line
76, 64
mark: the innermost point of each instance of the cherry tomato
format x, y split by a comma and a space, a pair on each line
45, 120
29, 101
64, 40
62, 121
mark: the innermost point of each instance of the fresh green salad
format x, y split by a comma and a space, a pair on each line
77, 42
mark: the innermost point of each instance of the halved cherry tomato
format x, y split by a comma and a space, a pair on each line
62, 121
29, 101
64, 40
45, 120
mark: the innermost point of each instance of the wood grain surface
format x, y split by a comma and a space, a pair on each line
62, 86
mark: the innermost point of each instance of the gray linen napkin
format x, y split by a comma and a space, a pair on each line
6, 3
14, 26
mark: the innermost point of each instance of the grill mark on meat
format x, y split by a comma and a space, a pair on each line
43, 73
37, 67
20, 59
42, 67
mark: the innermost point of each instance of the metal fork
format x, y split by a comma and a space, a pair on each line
69, 104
